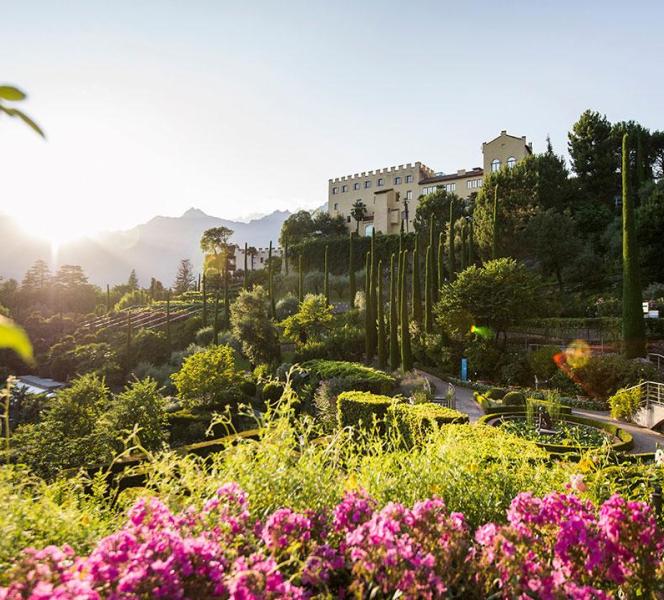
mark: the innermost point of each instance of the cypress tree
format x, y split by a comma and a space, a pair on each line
351, 272
450, 254
286, 258
440, 261
380, 313
434, 272
471, 244
399, 276
204, 300
633, 326
641, 161
406, 356
168, 319
326, 279
128, 338
227, 307
300, 280
367, 309
372, 334
416, 291
215, 323
394, 320
464, 252
245, 283
428, 293
494, 244
198, 283
273, 309
108, 298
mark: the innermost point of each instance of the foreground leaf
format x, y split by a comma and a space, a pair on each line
14, 337
9, 92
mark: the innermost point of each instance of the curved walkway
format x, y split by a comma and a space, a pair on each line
645, 440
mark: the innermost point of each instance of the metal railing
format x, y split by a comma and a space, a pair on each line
449, 400
652, 392
656, 359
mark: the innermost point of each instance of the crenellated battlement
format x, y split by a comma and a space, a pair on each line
392, 170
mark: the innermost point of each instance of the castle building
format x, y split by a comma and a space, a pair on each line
391, 194
257, 258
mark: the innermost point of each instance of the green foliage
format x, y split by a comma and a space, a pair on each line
395, 353
14, 337
634, 335
311, 322
205, 336
131, 299
140, 405
406, 354
67, 360
208, 378
287, 306
416, 421
433, 211
344, 342
497, 295
625, 403
362, 409
541, 362
9, 93
253, 328
496, 393
514, 399
150, 346
361, 377
272, 391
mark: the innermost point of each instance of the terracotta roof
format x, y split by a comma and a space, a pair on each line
452, 176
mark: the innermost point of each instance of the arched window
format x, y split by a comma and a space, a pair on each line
495, 165
511, 161
369, 230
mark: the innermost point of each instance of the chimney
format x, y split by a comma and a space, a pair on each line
461, 172
503, 132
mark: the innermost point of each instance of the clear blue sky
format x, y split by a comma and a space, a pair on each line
238, 108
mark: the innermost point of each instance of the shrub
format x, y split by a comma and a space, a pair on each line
625, 403
325, 401
205, 335
415, 421
272, 391
149, 346
208, 378
364, 378
248, 388
362, 409
311, 322
495, 393
514, 399
286, 307
186, 427
604, 374
342, 343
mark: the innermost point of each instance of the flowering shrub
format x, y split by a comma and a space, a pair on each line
552, 547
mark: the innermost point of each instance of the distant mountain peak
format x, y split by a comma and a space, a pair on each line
194, 213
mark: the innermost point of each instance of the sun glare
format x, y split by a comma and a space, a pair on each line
57, 229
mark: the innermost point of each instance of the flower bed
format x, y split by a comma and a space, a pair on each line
554, 547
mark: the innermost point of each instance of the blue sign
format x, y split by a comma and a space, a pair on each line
464, 369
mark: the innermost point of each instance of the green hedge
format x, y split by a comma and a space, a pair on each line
362, 378
415, 421
362, 409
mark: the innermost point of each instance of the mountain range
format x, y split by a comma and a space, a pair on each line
154, 248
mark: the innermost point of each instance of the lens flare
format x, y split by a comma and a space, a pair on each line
482, 331
575, 356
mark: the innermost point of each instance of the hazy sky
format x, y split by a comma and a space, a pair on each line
151, 107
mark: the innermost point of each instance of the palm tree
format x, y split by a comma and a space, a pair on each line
253, 252
358, 212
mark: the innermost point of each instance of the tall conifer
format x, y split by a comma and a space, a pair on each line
395, 352
380, 314
406, 355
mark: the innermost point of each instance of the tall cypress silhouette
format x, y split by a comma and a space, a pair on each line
168, 319
494, 241
372, 334
367, 308
633, 326
450, 253
300, 279
380, 316
439, 260
395, 352
245, 282
464, 251
205, 319
434, 272
326, 278
406, 355
416, 286
270, 289
351, 273
428, 293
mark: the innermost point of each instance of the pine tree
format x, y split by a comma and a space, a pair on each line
406, 356
184, 278
132, 282
300, 279
245, 282
351, 272
380, 313
326, 280
633, 324
394, 320
494, 241
450, 254
416, 286
428, 293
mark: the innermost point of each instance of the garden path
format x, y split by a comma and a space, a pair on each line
645, 440
465, 402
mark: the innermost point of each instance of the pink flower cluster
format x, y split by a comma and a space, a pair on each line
550, 548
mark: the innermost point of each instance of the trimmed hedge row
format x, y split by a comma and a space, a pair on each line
362, 378
362, 409
415, 421
498, 407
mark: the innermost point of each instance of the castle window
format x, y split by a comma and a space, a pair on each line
409, 179
379, 183
511, 161
473, 184
367, 184
336, 206
348, 219
450, 187
409, 195
495, 165
356, 186
397, 181
335, 190
344, 188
